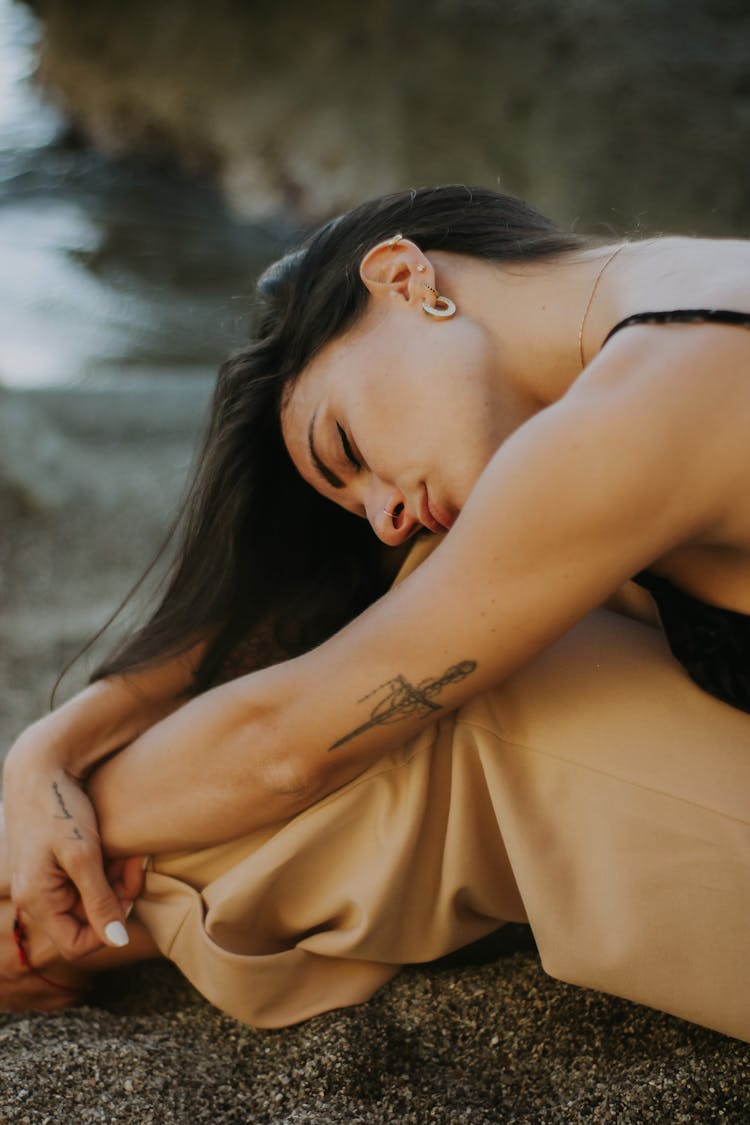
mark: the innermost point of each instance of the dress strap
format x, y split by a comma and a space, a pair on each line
684, 316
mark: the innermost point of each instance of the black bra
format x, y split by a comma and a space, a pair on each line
711, 643
684, 316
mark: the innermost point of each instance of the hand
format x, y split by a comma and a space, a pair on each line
58, 871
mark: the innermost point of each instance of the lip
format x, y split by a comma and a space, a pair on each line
431, 516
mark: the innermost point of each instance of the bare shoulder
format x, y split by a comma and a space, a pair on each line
677, 367
701, 358
645, 453
676, 272
679, 395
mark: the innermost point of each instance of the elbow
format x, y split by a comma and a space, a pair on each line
291, 779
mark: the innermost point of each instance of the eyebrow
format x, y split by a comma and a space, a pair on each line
327, 474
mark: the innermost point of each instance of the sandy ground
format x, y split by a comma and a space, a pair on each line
87, 479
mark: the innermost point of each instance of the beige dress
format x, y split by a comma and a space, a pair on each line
597, 794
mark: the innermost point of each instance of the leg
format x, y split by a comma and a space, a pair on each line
598, 793
624, 795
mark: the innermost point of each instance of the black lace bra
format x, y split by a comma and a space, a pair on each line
712, 643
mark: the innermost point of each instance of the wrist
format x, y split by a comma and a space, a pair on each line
32, 753
81, 733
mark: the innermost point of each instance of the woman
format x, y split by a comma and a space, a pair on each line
442, 360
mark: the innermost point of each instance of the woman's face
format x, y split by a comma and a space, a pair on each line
395, 420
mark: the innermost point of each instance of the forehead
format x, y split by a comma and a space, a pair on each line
333, 370
298, 409
334, 379
303, 396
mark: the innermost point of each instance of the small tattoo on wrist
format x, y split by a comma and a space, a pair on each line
64, 814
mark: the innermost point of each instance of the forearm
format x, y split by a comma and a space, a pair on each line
214, 770
259, 750
104, 716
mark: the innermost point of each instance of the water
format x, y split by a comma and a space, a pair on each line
108, 269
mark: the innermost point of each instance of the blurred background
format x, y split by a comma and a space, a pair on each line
155, 156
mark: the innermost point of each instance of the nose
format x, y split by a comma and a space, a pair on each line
389, 518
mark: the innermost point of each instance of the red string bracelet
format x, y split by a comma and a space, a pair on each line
19, 936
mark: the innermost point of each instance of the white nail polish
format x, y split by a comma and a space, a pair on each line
116, 934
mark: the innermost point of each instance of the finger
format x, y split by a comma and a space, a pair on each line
41, 951
71, 937
126, 877
53, 902
119, 884
47, 910
103, 909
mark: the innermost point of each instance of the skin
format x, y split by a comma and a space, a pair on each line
65, 984
558, 485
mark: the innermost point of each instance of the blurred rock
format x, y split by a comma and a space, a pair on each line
38, 466
90, 479
59, 445
630, 115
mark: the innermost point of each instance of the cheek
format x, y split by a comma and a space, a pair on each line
378, 403
413, 399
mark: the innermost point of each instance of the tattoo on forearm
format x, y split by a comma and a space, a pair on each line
65, 813
404, 700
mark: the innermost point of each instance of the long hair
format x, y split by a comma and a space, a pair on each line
255, 547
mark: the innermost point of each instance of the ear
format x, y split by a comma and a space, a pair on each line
396, 270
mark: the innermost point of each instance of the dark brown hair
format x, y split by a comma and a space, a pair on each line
254, 545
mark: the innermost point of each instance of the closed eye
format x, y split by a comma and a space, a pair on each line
348, 452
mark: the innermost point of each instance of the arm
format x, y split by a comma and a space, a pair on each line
107, 715
624, 469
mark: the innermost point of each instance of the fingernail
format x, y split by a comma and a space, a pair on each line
128, 907
116, 934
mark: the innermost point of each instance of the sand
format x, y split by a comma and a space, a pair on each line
84, 493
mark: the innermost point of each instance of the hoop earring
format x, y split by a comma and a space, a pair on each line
445, 312
443, 308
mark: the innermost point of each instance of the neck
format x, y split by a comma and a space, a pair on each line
532, 313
